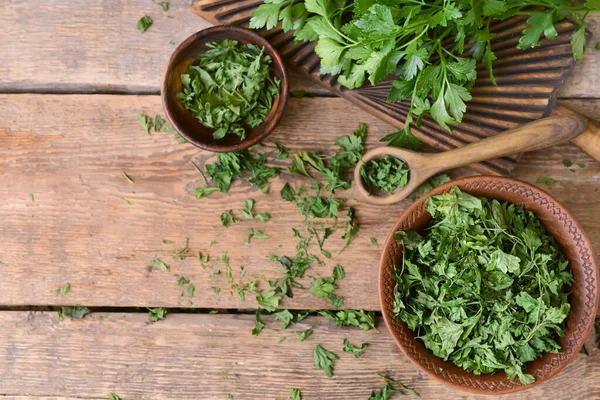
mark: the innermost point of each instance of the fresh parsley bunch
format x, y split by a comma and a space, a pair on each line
230, 88
432, 46
484, 286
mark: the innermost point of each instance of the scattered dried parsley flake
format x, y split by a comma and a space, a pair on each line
546, 180
144, 23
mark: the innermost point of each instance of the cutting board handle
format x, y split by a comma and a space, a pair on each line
589, 140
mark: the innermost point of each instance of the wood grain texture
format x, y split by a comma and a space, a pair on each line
186, 356
79, 231
92, 46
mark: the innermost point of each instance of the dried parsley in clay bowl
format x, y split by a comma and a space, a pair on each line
495, 292
224, 89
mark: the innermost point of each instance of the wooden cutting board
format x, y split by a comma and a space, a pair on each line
527, 81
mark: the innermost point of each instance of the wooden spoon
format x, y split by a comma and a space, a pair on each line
536, 135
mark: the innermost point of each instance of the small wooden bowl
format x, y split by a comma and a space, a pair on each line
574, 244
183, 121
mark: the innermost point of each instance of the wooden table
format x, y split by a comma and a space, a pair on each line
73, 76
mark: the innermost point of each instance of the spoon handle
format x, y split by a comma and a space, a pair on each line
535, 135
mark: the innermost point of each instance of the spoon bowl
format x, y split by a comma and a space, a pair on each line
536, 135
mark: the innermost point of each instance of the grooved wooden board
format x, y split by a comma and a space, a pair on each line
211, 356
528, 81
79, 231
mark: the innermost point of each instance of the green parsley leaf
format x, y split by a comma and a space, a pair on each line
434, 182
282, 152
204, 191
567, 163
144, 23
31, 197
360, 319
163, 4
112, 396
374, 241
259, 323
281, 339
324, 359
546, 180
303, 335
403, 139
63, 290
75, 312
227, 219
159, 264
349, 348
581, 165
156, 314
159, 122
269, 300
145, 121
284, 316
295, 394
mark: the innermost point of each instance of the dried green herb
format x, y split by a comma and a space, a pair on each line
145, 121
241, 164
144, 23
259, 323
31, 197
230, 88
204, 191
281, 339
181, 253
434, 182
227, 218
546, 180
484, 286
159, 122
392, 386
112, 396
357, 351
386, 174
303, 335
269, 300
163, 4
374, 241
159, 264
156, 314
74, 312
364, 320
324, 287
567, 163
324, 359
295, 394
63, 290
282, 152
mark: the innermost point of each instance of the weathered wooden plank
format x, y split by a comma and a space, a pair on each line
204, 356
81, 47
73, 47
79, 231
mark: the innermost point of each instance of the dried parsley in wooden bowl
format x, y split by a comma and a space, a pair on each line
224, 89
489, 285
